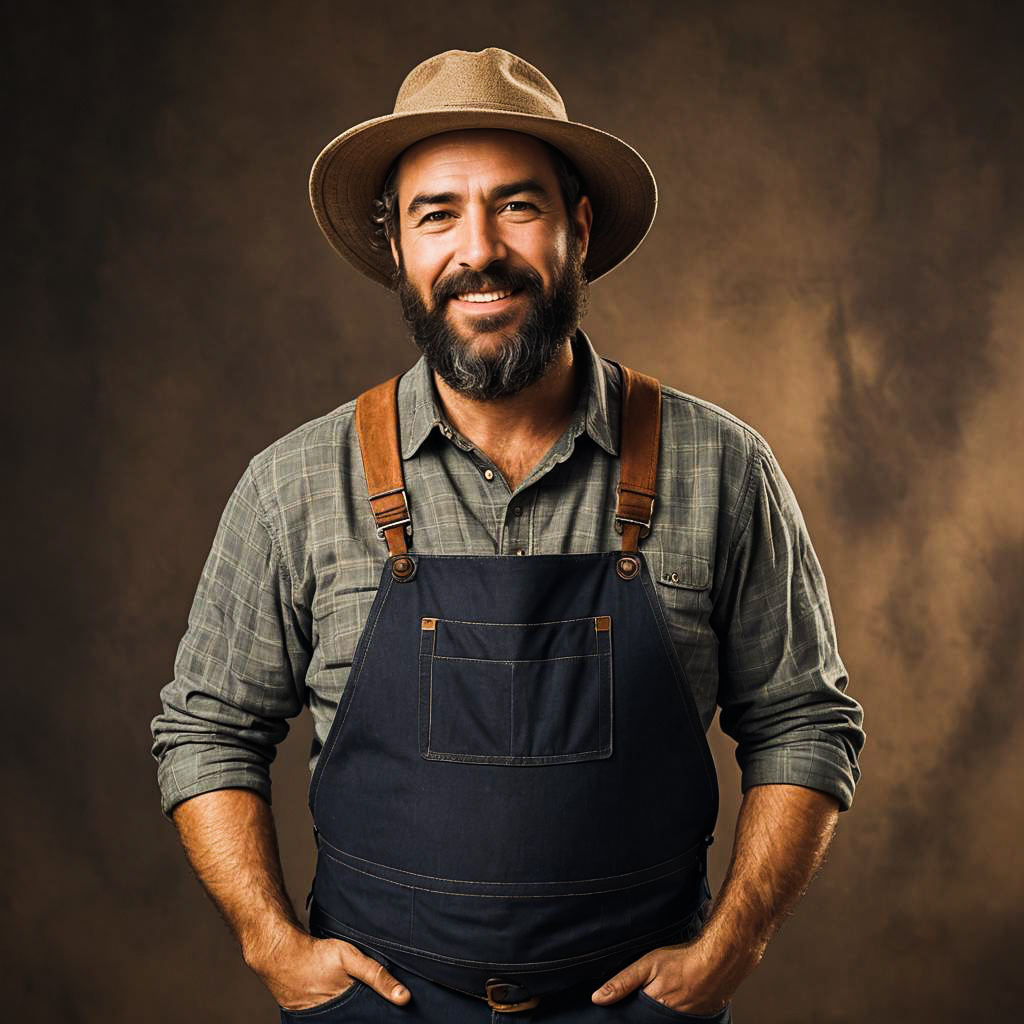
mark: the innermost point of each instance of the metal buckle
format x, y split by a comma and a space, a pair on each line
406, 522
516, 998
645, 525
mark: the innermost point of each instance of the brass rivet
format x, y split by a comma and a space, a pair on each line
402, 568
627, 567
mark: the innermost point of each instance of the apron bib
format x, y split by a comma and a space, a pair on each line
516, 794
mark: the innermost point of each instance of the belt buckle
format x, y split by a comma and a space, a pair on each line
507, 997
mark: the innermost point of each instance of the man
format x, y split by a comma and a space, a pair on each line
513, 651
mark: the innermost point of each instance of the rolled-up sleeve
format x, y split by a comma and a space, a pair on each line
239, 667
782, 684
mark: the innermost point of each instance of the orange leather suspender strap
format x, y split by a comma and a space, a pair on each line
377, 427
638, 456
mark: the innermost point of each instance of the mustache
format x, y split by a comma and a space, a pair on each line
498, 277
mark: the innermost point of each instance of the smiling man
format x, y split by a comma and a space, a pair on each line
513, 586
503, 209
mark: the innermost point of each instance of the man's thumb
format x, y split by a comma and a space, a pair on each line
623, 983
376, 975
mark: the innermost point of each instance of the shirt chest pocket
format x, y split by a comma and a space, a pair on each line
515, 693
684, 586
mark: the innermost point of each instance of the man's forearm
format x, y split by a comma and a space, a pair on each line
782, 833
781, 836
231, 843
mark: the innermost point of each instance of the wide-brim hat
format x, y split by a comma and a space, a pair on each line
489, 89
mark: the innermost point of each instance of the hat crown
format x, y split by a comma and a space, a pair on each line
491, 79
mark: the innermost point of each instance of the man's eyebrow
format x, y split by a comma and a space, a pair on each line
528, 186
435, 199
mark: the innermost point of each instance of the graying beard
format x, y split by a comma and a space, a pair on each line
472, 374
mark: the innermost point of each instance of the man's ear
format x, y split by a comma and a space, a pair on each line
583, 217
394, 251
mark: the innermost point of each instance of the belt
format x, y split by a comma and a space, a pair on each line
507, 997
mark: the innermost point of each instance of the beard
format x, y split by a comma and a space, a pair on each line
524, 354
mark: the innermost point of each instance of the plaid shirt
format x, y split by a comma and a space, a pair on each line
288, 584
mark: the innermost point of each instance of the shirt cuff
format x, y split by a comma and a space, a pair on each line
176, 789
820, 763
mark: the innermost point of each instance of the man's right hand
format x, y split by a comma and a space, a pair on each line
231, 843
302, 972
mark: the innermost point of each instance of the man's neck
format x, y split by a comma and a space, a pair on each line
517, 432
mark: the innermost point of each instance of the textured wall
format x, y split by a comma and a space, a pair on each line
837, 259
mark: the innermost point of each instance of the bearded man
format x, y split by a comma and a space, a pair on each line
512, 586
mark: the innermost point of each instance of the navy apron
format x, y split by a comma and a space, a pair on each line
516, 795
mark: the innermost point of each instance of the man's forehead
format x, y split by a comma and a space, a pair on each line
473, 152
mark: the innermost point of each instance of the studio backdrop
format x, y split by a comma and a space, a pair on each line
837, 259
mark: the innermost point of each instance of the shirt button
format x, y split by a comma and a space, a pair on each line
674, 577
517, 510
488, 474
520, 551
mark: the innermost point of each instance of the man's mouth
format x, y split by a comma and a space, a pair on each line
485, 296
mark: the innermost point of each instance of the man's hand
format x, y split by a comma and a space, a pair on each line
302, 972
686, 977
231, 843
781, 836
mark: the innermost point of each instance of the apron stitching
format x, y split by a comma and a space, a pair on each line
515, 661
549, 622
576, 755
572, 881
605, 670
430, 693
511, 710
506, 896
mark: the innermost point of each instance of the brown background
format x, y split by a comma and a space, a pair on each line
837, 259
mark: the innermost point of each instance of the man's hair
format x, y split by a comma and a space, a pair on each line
385, 209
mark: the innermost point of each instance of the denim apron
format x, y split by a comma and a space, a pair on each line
516, 795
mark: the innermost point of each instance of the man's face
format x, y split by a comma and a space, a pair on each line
489, 260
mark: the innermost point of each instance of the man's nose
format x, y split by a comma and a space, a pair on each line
479, 242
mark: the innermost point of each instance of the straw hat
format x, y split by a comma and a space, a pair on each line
489, 89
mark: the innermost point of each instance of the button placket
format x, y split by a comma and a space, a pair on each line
518, 518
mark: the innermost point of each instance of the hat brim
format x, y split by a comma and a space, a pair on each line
349, 175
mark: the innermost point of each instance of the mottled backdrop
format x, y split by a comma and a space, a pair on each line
837, 259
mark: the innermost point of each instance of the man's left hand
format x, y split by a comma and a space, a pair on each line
684, 977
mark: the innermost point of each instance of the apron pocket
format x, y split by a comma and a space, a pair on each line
515, 693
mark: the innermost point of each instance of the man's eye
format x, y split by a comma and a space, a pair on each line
435, 216
518, 205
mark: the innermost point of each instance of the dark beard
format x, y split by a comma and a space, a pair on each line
524, 356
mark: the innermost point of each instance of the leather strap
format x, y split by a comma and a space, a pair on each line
638, 456
377, 427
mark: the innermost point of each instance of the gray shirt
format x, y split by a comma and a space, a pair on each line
295, 563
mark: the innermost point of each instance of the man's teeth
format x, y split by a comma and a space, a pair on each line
483, 296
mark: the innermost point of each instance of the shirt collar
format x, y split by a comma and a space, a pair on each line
419, 410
